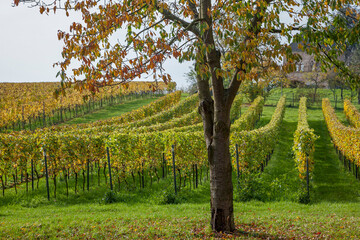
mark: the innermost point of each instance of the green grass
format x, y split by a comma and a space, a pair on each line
254, 220
331, 182
281, 173
271, 213
293, 95
111, 111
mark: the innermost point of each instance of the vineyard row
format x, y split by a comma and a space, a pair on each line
68, 153
23, 103
345, 139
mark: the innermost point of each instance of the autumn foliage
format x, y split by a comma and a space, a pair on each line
345, 139
304, 142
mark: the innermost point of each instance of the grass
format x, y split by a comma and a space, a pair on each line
281, 175
111, 111
331, 182
271, 213
254, 220
115, 110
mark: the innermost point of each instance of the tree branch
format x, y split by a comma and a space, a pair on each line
170, 16
280, 31
145, 29
254, 28
342, 69
193, 9
234, 85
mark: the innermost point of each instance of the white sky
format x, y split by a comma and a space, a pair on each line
29, 45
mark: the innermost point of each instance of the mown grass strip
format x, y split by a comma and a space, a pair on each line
253, 220
111, 111
331, 182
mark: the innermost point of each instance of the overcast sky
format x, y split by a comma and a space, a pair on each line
29, 46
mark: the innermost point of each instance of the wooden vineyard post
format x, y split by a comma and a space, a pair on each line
349, 165
353, 168
237, 164
15, 180
44, 119
196, 174
142, 175
99, 169
193, 175
174, 170
88, 175
163, 166
32, 174
108, 158
307, 176
335, 101
47, 176
3, 185
23, 118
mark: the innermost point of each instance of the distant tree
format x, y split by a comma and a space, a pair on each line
191, 80
171, 86
353, 62
349, 73
316, 80
280, 79
338, 42
333, 82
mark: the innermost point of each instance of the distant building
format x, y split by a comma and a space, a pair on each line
304, 67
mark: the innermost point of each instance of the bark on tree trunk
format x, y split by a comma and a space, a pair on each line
341, 92
215, 111
221, 188
216, 122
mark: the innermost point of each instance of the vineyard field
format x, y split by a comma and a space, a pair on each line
25, 104
111, 111
143, 201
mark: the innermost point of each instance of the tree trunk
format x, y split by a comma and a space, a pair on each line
221, 188
215, 111
341, 92
314, 97
216, 123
